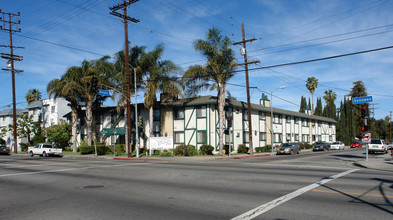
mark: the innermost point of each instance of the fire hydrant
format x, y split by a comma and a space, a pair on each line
223, 152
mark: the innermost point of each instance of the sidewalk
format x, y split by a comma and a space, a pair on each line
379, 162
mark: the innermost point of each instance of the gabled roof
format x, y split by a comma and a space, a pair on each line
203, 100
9, 112
35, 104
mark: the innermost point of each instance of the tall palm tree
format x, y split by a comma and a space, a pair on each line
329, 96
158, 77
64, 87
119, 77
33, 95
219, 69
100, 69
312, 84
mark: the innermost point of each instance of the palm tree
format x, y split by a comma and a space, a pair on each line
119, 76
157, 76
33, 95
64, 87
219, 68
312, 84
329, 96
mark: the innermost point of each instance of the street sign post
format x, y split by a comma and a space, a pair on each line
364, 99
366, 139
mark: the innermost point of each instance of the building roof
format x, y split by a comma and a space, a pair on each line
203, 100
35, 104
9, 112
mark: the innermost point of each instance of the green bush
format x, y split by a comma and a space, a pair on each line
185, 150
24, 146
201, 153
266, 148
242, 149
102, 149
157, 152
304, 145
166, 154
86, 149
207, 149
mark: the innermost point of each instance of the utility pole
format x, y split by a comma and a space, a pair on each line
390, 125
244, 53
126, 51
12, 20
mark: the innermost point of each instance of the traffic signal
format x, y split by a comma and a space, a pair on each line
94, 85
364, 128
364, 111
229, 122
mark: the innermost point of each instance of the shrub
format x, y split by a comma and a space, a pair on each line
166, 154
185, 150
157, 152
201, 153
266, 148
207, 149
86, 149
102, 149
241, 149
69, 149
24, 146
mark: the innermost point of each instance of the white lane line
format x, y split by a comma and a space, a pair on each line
64, 170
272, 204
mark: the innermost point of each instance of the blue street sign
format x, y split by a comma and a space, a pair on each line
359, 100
103, 92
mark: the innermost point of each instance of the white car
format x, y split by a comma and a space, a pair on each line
338, 145
377, 145
390, 145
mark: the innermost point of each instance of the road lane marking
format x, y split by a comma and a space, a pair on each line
353, 193
65, 170
274, 203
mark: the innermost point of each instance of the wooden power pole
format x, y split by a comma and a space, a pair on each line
12, 20
126, 52
244, 53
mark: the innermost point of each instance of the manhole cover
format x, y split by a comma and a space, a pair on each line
93, 187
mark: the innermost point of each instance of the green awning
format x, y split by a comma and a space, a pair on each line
113, 131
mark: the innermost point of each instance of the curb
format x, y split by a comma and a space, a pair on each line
137, 159
243, 157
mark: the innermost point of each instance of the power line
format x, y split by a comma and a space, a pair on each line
319, 59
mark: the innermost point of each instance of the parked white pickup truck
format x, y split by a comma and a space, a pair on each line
45, 150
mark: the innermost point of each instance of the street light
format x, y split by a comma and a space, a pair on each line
271, 114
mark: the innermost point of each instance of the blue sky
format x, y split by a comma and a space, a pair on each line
286, 31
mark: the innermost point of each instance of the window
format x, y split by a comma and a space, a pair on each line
262, 136
277, 119
330, 138
245, 115
179, 137
278, 138
288, 137
99, 119
262, 116
53, 109
246, 137
288, 119
178, 113
201, 137
313, 138
296, 137
157, 115
305, 138
201, 111
305, 122
330, 125
296, 120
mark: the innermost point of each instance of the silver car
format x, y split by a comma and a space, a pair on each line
289, 148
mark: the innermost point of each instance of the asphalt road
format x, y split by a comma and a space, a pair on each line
312, 185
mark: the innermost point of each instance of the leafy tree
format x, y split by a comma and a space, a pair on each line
312, 84
33, 95
358, 90
25, 126
219, 69
318, 107
65, 87
303, 104
59, 134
